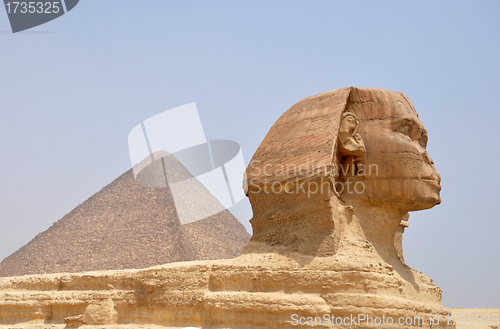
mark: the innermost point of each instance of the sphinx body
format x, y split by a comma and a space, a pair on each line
331, 186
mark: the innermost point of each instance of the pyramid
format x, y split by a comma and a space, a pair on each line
125, 226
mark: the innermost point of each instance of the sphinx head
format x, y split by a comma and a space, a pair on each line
382, 149
352, 148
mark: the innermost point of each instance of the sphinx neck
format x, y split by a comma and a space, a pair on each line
379, 225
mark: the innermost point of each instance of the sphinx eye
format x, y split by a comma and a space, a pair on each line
423, 139
405, 127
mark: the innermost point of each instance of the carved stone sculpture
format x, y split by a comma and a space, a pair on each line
351, 153
331, 186
335, 178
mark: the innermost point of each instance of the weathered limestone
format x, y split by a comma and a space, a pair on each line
331, 186
335, 178
254, 291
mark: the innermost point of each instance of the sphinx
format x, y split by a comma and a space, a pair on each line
331, 186
339, 167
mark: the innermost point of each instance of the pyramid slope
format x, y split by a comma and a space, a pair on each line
126, 226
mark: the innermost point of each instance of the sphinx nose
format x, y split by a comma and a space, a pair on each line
437, 176
427, 158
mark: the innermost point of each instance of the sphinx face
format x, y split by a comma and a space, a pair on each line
398, 171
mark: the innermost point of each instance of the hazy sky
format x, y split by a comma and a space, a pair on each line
69, 98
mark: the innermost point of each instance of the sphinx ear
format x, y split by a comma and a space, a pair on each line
350, 141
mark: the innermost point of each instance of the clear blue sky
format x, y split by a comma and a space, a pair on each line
69, 98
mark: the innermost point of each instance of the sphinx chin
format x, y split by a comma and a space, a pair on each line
407, 194
428, 194
429, 202
421, 204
